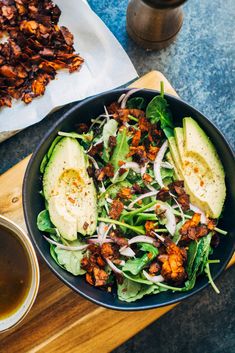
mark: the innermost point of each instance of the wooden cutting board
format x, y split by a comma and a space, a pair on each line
61, 320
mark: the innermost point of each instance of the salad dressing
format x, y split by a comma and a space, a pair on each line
15, 274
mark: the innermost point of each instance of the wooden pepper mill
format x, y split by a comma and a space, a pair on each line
154, 24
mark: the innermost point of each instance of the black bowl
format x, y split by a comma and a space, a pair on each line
33, 203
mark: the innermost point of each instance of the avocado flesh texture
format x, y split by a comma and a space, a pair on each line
70, 192
200, 167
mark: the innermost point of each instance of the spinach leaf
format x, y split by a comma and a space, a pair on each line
130, 291
166, 173
157, 110
44, 223
136, 103
70, 260
168, 131
136, 265
120, 154
191, 255
110, 129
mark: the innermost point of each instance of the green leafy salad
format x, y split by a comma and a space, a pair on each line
130, 199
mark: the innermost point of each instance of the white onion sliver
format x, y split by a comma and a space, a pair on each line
66, 247
127, 96
157, 163
171, 220
196, 209
166, 165
121, 98
143, 196
154, 279
162, 239
106, 113
97, 241
126, 251
132, 165
104, 237
113, 267
141, 239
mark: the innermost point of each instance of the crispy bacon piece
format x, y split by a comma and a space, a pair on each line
163, 194
173, 261
136, 138
109, 251
117, 238
147, 178
138, 154
116, 209
36, 48
191, 230
125, 193
154, 268
96, 149
122, 115
113, 108
100, 277
149, 227
144, 124
177, 188
152, 152
107, 171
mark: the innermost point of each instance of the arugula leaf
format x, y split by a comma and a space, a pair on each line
137, 278
112, 191
166, 173
157, 110
109, 129
44, 223
120, 154
136, 265
208, 273
136, 103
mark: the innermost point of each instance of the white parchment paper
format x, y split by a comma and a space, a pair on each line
106, 66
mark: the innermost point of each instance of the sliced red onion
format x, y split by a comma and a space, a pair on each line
162, 239
171, 220
98, 241
143, 196
126, 251
141, 239
143, 169
113, 267
196, 209
104, 237
127, 96
66, 247
121, 98
157, 163
154, 279
166, 165
132, 165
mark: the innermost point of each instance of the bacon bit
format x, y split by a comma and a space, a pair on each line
201, 183
147, 178
122, 115
163, 194
116, 209
139, 154
149, 227
122, 171
136, 188
154, 268
139, 202
173, 261
89, 279
96, 149
109, 251
177, 187
113, 108
211, 224
119, 240
107, 171
112, 142
196, 170
191, 230
100, 276
144, 124
152, 153
184, 201
125, 193
120, 163
136, 138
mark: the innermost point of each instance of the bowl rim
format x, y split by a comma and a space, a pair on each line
77, 105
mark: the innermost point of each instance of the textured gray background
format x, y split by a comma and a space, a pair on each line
200, 65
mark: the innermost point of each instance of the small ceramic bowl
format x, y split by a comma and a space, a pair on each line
16, 317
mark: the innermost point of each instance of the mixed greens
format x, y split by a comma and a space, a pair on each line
116, 186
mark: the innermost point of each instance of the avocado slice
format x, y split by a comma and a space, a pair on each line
199, 166
69, 190
172, 162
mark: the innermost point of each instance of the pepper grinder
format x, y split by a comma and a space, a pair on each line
154, 24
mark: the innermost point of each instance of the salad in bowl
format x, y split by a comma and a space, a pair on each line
132, 201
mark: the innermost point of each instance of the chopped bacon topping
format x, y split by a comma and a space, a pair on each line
177, 187
154, 268
191, 230
125, 193
107, 171
173, 261
96, 149
149, 227
136, 138
117, 238
152, 152
147, 178
36, 48
116, 209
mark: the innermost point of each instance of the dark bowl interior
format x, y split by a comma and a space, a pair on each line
33, 203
